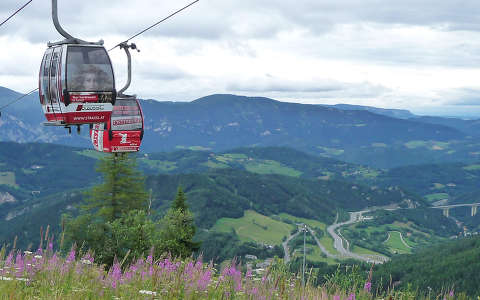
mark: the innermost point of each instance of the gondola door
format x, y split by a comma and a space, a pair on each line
50, 85
54, 85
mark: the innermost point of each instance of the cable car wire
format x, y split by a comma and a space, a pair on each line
18, 99
148, 28
18, 10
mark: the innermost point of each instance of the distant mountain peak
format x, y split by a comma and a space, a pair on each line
225, 98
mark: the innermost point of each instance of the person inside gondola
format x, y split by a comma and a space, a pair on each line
90, 78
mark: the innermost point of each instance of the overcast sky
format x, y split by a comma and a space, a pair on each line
421, 55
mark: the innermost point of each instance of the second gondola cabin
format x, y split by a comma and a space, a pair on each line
123, 132
76, 84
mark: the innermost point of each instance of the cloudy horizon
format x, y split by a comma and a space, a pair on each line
418, 55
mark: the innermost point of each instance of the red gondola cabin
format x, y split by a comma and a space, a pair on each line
123, 132
77, 84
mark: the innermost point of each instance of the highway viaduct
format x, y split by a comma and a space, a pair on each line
446, 208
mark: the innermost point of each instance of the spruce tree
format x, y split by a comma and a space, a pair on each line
113, 221
122, 189
178, 229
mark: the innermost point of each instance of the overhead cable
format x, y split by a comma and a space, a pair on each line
18, 99
18, 10
148, 28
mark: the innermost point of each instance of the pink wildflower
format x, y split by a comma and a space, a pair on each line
204, 280
71, 256
351, 297
367, 287
19, 264
253, 291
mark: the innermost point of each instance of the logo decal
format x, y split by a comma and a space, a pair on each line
82, 107
124, 138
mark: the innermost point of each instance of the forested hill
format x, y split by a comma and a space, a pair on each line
227, 193
218, 194
452, 266
212, 121
40, 181
221, 122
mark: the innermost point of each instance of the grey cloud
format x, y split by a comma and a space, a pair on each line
322, 88
215, 19
462, 97
161, 72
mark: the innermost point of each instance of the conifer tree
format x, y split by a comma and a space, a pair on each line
178, 229
113, 220
122, 189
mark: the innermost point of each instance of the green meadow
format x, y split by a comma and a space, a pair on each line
255, 227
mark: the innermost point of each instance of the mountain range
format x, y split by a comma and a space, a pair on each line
363, 135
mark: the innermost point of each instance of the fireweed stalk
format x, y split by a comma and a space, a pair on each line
48, 275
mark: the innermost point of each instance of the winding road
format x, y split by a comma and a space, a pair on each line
338, 241
286, 258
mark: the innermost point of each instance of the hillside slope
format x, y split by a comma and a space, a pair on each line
451, 266
221, 122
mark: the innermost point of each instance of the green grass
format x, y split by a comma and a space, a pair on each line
8, 178
327, 242
398, 226
193, 148
363, 172
228, 157
28, 171
438, 186
332, 151
395, 243
314, 255
255, 227
161, 165
363, 251
91, 153
271, 167
472, 167
215, 165
436, 197
415, 144
432, 145
309, 222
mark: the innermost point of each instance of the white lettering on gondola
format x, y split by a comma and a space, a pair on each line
89, 118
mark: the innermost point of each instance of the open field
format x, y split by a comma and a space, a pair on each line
472, 167
227, 157
436, 197
363, 251
432, 145
326, 240
309, 222
255, 227
331, 151
193, 148
314, 255
91, 153
161, 165
394, 242
271, 167
8, 178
